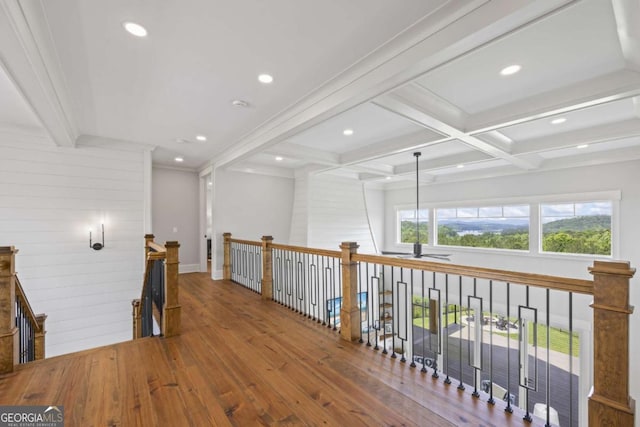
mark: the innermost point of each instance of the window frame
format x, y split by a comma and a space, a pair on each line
535, 222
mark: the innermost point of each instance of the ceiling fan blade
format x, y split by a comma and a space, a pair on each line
395, 253
444, 257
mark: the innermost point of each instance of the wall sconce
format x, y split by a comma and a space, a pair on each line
97, 245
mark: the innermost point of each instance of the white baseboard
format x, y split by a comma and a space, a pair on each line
217, 275
189, 268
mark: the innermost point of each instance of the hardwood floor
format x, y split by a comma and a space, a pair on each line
243, 362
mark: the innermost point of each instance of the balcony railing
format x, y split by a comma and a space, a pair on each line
508, 338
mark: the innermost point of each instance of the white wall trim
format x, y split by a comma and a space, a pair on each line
217, 275
147, 172
188, 268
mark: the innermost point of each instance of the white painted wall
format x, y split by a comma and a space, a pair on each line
249, 206
331, 210
49, 197
175, 202
622, 176
299, 230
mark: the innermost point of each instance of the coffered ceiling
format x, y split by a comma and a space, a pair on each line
397, 77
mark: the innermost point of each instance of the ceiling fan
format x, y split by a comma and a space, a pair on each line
417, 246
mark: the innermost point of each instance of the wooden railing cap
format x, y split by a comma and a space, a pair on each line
171, 244
617, 268
267, 237
8, 250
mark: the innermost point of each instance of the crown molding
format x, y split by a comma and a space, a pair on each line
32, 63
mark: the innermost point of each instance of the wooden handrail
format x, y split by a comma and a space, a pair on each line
312, 251
25, 303
539, 280
246, 242
157, 247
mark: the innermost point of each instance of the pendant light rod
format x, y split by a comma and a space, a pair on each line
417, 248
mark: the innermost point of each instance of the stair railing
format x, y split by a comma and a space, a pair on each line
21, 331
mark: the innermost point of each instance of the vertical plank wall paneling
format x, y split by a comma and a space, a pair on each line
49, 198
299, 231
330, 210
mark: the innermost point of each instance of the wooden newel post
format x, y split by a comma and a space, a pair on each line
171, 313
148, 238
39, 336
609, 400
9, 348
136, 313
349, 311
226, 266
267, 268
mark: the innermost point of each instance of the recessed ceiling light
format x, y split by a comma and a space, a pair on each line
558, 121
388, 177
511, 69
581, 146
460, 166
179, 159
347, 132
279, 158
239, 103
201, 138
265, 78
135, 29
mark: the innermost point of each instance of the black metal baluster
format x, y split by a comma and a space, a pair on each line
437, 316
527, 416
423, 312
491, 399
508, 409
548, 387
447, 380
325, 298
369, 303
358, 296
339, 292
460, 384
395, 312
571, 358
477, 319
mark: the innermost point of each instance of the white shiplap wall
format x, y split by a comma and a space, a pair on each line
299, 232
49, 198
331, 210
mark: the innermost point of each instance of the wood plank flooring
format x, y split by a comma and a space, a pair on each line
243, 362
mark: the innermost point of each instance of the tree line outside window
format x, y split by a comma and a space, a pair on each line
570, 228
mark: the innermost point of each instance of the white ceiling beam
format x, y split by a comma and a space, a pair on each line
391, 146
583, 160
442, 162
451, 31
592, 135
627, 15
300, 152
253, 168
600, 90
29, 59
409, 104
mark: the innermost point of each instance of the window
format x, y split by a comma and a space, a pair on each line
499, 227
407, 223
577, 228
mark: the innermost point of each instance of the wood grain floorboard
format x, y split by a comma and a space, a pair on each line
241, 361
